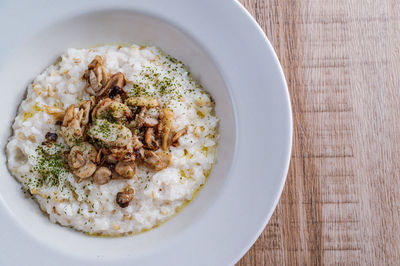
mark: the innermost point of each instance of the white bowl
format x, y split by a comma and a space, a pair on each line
229, 54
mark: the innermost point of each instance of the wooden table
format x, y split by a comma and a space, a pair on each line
341, 201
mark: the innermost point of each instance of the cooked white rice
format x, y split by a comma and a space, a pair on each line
91, 208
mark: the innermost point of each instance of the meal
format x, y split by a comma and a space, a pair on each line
113, 140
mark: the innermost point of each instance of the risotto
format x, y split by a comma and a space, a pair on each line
113, 140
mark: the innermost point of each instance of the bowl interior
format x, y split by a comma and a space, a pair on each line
85, 30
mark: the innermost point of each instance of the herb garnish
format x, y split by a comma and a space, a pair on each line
49, 165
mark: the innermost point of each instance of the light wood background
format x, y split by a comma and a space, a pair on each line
341, 201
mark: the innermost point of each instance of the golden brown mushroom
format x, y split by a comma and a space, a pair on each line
69, 115
150, 139
156, 161
124, 153
57, 113
108, 108
116, 82
125, 169
177, 135
139, 120
137, 144
102, 175
111, 134
85, 171
95, 76
81, 159
85, 107
166, 118
74, 123
125, 197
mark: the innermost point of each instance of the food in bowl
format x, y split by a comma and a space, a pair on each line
113, 140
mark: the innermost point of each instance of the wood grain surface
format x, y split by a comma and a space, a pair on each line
341, 201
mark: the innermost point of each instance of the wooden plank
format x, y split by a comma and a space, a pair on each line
341, 201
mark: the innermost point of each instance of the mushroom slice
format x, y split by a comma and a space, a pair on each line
73, 131
124, 197
177, 135
69, 115
166, 117
156, 161
85, 171
137, 144
139, 120
102, 175
57, 113
75, 124
85, 149
81, 158
75, 121
99, 156
76, 159
85, 107
95, 76
125, 169
93, 100
108, 107
165, 138
116, 82
96, 107
110, 133
139, 154
110, 159
124, 153
142, 101
150, 139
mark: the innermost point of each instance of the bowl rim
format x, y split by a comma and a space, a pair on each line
290, 118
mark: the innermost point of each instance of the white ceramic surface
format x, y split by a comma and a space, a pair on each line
229, 54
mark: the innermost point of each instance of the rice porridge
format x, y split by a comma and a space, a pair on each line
113, 140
